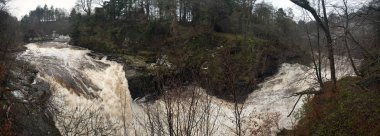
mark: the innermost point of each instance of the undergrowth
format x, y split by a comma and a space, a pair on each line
353, 110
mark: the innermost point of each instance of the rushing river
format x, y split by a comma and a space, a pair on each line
91, 97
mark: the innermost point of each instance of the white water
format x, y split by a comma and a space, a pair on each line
83, 88
274, 95
92, 94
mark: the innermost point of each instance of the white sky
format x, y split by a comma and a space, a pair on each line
279, 3
285, 4
20, 8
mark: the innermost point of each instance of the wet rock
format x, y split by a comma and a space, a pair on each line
96, 55
143, 85
141, 82
28, 101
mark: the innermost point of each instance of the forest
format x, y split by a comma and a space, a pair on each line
231, 49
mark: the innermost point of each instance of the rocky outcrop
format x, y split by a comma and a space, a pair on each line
26, 102
141, 82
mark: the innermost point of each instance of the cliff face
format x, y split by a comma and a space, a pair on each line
25, 103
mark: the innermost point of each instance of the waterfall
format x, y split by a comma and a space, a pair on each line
85, 90
90, 96
275, 93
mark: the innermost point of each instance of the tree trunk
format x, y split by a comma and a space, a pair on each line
330, 45
345, 38
330, 51
325, 27
349, 54
317, 67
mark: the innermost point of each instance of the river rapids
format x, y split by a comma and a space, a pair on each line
91, 97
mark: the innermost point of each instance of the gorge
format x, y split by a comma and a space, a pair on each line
92, 93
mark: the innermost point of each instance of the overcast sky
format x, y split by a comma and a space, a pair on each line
20, 8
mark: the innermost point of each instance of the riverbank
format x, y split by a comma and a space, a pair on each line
204, 58
25, 101
353, 109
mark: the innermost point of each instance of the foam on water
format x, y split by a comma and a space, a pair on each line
82, 87
90, 91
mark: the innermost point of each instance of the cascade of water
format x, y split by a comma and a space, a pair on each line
85, 90
275, 93
91, 94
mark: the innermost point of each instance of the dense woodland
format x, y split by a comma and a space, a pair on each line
226, 46
195, 35
10, 38
44, 21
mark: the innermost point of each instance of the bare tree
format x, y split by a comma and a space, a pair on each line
3, 4
100, 2
85, 5
324, 24
186, 111
315, 58
346, 31
84, 120
347, 24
